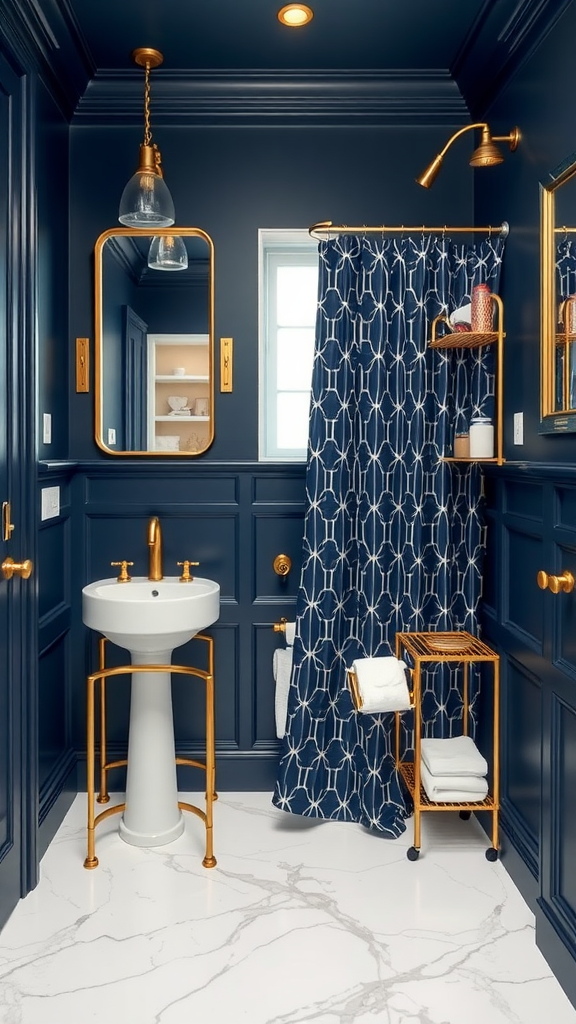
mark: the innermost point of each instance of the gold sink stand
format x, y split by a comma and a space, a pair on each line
103, 674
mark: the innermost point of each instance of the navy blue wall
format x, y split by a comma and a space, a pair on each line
230, 182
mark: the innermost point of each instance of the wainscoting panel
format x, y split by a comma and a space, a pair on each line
521, 769
524, 556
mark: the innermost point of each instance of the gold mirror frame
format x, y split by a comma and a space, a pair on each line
99, 360
553, 419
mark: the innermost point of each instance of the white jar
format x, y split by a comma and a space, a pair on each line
481, 438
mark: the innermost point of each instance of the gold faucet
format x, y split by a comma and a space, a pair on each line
155, 545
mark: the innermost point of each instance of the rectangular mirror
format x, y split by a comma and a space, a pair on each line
154, 341
558, 298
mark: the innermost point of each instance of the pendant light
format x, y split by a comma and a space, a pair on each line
167, 252
146, 201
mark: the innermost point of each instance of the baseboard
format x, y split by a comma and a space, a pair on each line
246, 772
555, 952
55, 800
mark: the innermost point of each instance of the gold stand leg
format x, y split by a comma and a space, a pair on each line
103, 796
210, 860
496, 740
91, 858
417, 742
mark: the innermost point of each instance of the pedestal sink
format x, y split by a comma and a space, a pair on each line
150, 619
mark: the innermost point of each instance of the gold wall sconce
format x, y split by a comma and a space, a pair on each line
486, 154
146, 201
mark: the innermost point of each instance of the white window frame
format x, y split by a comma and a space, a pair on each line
298, 247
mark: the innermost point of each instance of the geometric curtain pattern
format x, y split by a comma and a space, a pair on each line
393, 537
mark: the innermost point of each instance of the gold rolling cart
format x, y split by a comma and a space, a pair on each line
102, 675
465, 649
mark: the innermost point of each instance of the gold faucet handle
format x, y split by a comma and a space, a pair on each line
123, 577
186, 577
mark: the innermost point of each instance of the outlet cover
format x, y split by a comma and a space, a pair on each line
47, 428
111, 435
50, 503
518, 428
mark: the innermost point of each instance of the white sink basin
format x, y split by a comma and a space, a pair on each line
145, 616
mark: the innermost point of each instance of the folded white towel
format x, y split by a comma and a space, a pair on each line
445, 789
457, 755
282, 668
382, 685
289, 633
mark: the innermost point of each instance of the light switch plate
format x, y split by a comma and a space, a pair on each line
518, 428
47, 428
50, 503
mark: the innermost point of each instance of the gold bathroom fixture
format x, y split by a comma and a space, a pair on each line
186, 577
123, 576
226, 356
557, 584
486, 154
282, 565
102, 676
146, 201
155, 545
280, 627
7, 526
295, 15
82, 365
11, 568
324, 230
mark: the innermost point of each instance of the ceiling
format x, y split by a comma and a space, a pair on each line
241, 34
362, 61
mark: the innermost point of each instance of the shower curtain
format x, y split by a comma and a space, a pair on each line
393, 537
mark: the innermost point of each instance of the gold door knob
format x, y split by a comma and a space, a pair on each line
282, 565
11, 568
564, 582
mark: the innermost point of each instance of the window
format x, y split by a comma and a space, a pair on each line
288, 281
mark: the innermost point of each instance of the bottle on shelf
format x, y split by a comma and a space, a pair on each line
482, 314
481, 438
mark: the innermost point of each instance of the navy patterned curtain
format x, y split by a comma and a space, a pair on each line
393, 537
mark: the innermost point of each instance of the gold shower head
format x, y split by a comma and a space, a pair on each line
486, 154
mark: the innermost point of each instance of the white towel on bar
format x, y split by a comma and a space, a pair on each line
457, 755
290, 631
282, 668
382, 685
445, 789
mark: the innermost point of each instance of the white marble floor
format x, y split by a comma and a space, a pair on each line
300, 921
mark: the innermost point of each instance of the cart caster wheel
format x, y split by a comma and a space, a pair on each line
412, 853
491, 853
464, 815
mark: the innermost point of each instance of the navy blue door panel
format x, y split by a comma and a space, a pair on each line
274, 534
524, 604
522, 762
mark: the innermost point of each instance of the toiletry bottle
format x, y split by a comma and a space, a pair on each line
462, 446
482, 312
481, 438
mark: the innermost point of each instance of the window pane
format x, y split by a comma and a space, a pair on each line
295, 355
297, 296
292, 420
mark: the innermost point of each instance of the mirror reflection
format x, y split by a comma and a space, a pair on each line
558, 273
154, 341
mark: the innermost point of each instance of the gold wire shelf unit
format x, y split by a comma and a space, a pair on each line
419, 650
476, 339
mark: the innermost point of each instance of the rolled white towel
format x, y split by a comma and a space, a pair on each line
289, 633
282, 668
457, 755
382, 685
447, 789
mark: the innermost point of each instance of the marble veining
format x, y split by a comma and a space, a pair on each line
300, 921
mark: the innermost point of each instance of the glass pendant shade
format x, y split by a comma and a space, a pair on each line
167, 252
146, 201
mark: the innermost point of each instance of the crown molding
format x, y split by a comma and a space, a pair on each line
504, 36
266, 97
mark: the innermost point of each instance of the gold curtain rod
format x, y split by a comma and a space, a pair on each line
564, 231
328, 228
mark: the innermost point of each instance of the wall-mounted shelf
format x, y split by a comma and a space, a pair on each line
195, 378
182, 419
477, 339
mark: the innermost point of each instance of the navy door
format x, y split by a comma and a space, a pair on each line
18, 812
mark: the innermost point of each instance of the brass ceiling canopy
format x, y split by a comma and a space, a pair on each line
486, 154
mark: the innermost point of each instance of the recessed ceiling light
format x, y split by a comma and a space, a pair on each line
295, 15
